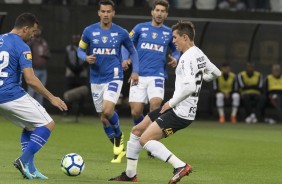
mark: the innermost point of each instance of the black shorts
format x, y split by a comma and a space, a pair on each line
168, 121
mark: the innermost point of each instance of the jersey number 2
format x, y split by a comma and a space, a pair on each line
4, 61
199, 79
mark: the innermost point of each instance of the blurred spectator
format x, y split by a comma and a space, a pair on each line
40, 57
273, 89
226, 89
76, 70
258, 5
13, 1
205, 4
182, 4
233, 5
35, 1
276, 5
79, 2
129, 3
55, 2
250, 85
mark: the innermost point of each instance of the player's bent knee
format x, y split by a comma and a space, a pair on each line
143, 141
50, 125
136, 114
136, 131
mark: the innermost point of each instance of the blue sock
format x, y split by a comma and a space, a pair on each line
114, 121
25, 138
110, 133
137, 121
37, 139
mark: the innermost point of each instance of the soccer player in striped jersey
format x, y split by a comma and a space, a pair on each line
104, 41
18, 106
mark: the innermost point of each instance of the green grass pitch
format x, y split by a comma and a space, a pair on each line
219, 154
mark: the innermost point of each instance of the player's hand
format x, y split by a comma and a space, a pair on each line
172, 62
134, 79
165, 107
91, 59
57, 102
125, 64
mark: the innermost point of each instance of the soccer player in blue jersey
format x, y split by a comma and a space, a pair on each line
104, 41
18, 106
152, 40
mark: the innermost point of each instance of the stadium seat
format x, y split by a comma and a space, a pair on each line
35, 1
205, 4
13, 1
183, 4
276, 5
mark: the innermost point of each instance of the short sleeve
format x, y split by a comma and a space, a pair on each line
25, 57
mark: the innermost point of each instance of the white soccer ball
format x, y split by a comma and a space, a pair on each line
72, 164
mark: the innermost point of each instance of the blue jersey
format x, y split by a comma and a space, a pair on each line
15, 55
106, 45
152, 44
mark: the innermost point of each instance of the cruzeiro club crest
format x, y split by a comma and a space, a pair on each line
104, 39
154, 35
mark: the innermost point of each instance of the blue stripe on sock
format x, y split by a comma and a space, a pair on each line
37, 139
110, 133
137, 121
25, 138
114, 121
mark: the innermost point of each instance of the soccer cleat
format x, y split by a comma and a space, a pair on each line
118, 145
23, 168
39, 175
233, 119
124, 177
117, 158
180, 173
221, 119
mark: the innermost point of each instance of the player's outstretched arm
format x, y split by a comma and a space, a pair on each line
36, 84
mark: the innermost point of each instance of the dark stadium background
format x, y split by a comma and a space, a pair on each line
236, 37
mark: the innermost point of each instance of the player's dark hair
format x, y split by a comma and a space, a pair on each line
26, 19
106, 2
162, 3
185, 27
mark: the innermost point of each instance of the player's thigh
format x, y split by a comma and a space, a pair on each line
138, 93
156, 88
25, 112
112, 91
97, 91
153, 132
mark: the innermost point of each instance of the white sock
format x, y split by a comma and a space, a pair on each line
131, 168
234, 111
158, 150
220, 111
133, 147
176, 162
132, 153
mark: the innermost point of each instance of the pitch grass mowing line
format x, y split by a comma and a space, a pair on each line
220, 154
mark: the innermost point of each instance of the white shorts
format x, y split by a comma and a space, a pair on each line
25, 112
147, 88
108, 91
